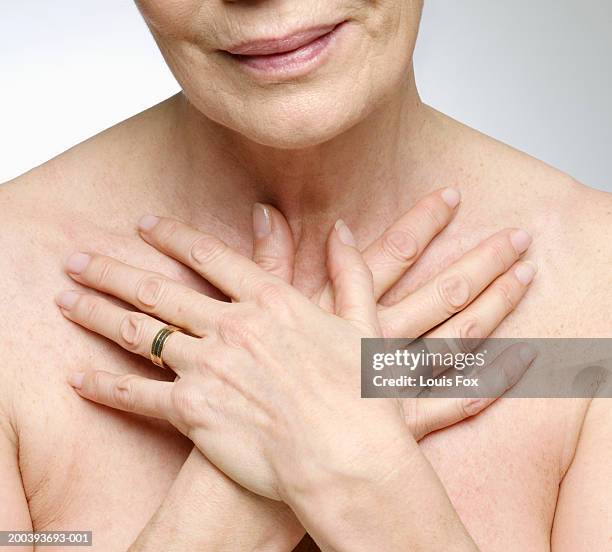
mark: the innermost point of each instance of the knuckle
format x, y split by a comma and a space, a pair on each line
131, 331
89, 308
497, 251
196, 357
97, 386
187, 406
234, 328
431, 210
123, 392
504, 293
270, 263
400, 245
454, 291
103, 272
165, 230
96, 381
469, 331
269, 294
471, 328
207, 249
150, 291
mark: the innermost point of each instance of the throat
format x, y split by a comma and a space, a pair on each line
364, 176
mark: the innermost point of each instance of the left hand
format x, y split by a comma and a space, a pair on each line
269, 390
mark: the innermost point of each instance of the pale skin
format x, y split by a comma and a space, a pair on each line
521, 475
187, 517
351, 294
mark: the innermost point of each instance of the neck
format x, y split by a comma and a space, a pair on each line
362, 175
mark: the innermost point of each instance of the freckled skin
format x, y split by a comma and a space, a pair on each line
81, 466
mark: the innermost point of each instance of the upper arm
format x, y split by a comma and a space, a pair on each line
14, 512
583, 519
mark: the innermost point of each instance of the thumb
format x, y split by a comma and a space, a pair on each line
351, 280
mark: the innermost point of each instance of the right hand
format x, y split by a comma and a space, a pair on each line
389, 257
466, 295
469, 299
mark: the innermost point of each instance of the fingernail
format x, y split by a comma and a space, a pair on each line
147, 222
262, 225
451, 197
76, 379
77, 263
521, 240
345, 234
525, 272
527, 354
67, 299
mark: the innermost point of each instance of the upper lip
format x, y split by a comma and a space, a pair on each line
287, 43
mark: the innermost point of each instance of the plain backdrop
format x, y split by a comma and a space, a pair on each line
535, 74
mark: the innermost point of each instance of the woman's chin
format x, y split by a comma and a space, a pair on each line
293, 140
298, 132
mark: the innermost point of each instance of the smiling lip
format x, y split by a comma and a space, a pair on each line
270, 46
286, 57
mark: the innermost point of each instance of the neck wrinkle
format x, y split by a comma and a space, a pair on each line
364, 175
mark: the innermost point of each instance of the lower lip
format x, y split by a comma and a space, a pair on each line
295, 63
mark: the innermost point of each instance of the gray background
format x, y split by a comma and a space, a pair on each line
535, 74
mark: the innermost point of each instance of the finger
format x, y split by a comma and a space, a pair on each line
134, 331
497, 377
148, 291
234, 274
351, 279
441, 410
494, 378
130, 393
456, 287
403, 242
432, 414
489, 309
273, 247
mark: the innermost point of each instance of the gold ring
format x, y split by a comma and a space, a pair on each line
159, 341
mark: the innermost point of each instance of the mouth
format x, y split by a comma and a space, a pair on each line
290, 55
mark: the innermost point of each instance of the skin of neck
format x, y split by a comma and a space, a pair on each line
361, 173
368, 175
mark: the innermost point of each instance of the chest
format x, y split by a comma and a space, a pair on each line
87, 467
502, 469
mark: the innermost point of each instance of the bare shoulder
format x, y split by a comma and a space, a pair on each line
45, 213
575, 228
80, 200
573, 246
589, 216
16, 270
571, 224
26, 209
35, 207
30, 238
41, 206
